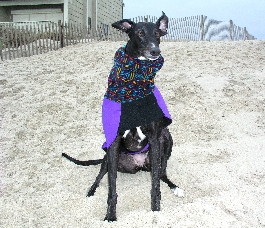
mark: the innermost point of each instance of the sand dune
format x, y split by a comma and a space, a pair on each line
51, 103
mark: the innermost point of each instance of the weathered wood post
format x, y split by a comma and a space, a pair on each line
36, 38
202, 27
61, 32
231, 28
8, 42
2, 42
245, 34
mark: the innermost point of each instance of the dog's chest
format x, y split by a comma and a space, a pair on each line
140, 159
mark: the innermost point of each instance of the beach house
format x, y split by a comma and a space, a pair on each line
82, 12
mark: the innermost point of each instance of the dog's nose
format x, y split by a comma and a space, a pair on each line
155, 51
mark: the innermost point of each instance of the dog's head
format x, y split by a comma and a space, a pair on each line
144, 36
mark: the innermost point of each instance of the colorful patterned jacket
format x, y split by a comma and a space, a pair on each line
130, 78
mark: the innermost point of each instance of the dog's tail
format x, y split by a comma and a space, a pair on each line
83, 163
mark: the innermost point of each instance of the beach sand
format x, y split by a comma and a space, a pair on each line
51, 103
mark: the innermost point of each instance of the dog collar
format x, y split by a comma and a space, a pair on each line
131, 78
137, 152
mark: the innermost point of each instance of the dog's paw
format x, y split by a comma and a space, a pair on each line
178, 192
91, 192
110, 218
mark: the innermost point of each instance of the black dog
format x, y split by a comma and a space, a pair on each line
135, 117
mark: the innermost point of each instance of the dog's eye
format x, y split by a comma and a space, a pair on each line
157, 34
140, 33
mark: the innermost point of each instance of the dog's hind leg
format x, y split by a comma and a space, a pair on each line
112, 159
102, 172
166, 143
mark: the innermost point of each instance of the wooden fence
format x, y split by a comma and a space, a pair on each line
33, 38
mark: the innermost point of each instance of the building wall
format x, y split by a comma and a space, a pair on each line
77, 10
106, 11
29, 2
5, 14
46, 14
89, 12
83, 12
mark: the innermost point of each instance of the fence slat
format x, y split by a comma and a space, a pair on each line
2, 44
56, 36
5, 41
27, 44
12, 34
40, 37
31, 35
36, 39
8, 44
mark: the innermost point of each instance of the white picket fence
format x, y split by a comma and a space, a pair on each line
201, 28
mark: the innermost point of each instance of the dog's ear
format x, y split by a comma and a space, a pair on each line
124, 25
162, 23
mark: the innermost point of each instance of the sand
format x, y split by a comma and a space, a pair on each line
51, 103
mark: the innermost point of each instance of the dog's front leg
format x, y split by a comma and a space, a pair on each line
112, 156
155, 159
